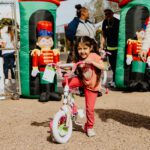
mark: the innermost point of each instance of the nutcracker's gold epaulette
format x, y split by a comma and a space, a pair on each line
36, 51
129, 41
56, 51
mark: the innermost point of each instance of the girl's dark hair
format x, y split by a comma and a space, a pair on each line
90, 43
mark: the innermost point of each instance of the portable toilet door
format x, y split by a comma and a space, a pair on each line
132, 18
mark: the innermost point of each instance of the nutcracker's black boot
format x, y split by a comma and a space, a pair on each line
48, 94
44, 97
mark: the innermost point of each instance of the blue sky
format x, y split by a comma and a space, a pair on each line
66, 11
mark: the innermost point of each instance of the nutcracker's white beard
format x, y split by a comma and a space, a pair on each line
146, 40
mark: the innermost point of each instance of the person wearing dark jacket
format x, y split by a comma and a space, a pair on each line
79, 26
110, 30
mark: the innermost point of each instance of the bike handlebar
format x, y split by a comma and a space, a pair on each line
72, 65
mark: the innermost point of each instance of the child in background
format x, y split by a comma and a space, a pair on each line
7, 35
86, 50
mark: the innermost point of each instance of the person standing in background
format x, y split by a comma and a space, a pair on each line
79, 26
7, 35
109, 39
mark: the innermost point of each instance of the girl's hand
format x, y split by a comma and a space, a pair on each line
57, 65
88, 61
102, 53
99, 65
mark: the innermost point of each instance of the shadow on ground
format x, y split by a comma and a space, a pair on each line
124, 117
43, 124
50, 138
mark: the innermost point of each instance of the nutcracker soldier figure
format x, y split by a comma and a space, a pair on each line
43, 56
138, 66
134, 47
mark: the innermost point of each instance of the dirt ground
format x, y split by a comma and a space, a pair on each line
122, 123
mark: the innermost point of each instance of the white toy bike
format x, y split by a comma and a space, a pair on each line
62, 124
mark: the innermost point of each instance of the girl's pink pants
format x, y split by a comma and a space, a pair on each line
90, 99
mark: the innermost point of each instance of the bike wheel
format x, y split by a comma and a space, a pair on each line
60, 132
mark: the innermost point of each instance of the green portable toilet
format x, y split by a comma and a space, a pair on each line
32, 12
133, 15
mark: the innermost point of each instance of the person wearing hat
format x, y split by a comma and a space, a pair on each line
43, 56
109, 39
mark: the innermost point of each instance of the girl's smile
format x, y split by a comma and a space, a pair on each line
84, 50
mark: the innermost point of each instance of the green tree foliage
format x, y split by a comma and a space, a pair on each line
98, 8
98, 15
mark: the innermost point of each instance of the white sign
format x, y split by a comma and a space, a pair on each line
49, 74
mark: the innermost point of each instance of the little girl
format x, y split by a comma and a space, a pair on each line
88, 76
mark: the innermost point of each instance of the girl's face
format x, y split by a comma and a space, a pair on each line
84, 50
